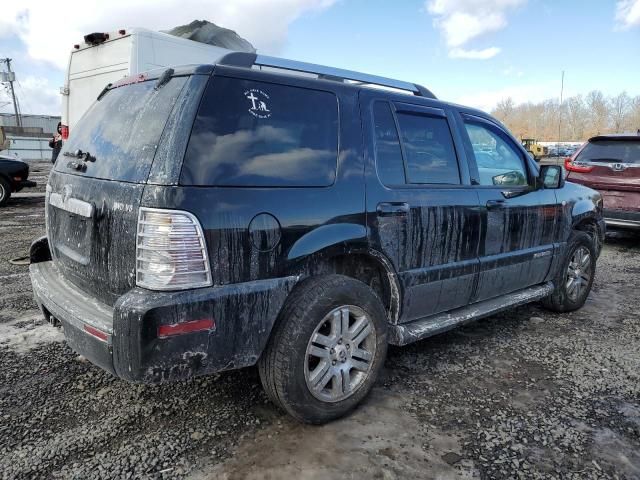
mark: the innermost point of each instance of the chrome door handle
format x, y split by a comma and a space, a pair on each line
491, 204
392, 209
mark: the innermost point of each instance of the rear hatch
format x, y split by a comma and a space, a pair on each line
95, 189
611, 165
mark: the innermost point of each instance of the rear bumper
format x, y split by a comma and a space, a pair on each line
622, 218
124, 340
25, 184
28, 184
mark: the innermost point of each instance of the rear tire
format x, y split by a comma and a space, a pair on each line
327, 349
5, 191
576, 274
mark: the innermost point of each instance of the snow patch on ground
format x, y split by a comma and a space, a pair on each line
24, 334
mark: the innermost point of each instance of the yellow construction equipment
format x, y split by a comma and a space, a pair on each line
536, 150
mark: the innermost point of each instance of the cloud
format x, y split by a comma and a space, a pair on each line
462, 21
628, 13
474, 54
35, 95
512, 72
49, 33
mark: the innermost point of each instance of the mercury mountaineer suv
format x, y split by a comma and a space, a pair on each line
295, 216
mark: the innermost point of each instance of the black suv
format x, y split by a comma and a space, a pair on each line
291, 215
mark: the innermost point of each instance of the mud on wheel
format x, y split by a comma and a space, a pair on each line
575, 277
327, 349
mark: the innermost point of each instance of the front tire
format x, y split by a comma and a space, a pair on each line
5, 191
327, 349
575, 278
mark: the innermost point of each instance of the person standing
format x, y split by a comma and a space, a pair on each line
56, 143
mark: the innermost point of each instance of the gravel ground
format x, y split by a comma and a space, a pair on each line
525, 394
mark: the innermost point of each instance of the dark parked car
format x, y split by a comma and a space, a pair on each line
14, 176
215, 217
611, 165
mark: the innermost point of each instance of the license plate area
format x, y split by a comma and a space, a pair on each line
73, 220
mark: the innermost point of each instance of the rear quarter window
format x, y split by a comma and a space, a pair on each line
250, 133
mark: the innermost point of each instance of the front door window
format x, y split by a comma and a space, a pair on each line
498, 162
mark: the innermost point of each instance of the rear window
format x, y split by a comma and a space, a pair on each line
429, 155
616, 151
251, 133
122, 131
428, 146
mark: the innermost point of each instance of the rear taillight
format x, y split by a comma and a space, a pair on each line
571, 166
64, 132
171, 253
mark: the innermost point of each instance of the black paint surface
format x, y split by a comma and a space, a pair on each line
426, 249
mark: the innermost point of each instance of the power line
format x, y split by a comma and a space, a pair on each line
10, 76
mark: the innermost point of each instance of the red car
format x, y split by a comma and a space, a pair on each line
611, 165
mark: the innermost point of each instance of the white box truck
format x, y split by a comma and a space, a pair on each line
106, 57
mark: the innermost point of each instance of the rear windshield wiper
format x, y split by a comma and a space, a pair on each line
104, 91
79, 154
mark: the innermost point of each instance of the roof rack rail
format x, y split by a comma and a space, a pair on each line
324, 72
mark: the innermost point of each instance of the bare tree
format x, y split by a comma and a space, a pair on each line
504, 110
620, 107
634, 115
582, 117
577, 117
598, 112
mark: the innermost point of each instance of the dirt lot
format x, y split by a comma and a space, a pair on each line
524, 394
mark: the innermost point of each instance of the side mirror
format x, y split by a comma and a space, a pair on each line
551, 176
513, 178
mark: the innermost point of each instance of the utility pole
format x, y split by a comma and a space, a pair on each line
11, 79
560, 111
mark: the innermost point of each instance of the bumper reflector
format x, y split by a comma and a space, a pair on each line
165, 331
94, 332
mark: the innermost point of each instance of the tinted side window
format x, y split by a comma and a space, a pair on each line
387, 146
429, 152
251, 133
499, 163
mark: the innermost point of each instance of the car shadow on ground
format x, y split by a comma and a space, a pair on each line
629, 239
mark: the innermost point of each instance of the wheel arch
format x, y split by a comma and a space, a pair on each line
589, 224
5, 177
361, 263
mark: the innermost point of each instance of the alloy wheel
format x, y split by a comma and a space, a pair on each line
340, 354
579, 273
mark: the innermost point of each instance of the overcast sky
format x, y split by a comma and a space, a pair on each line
474, 52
